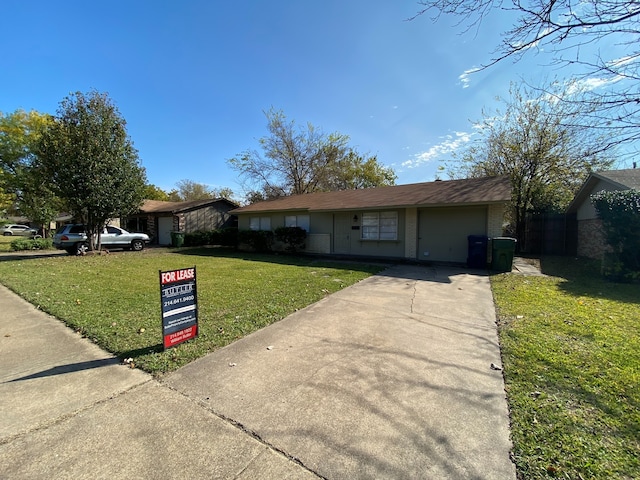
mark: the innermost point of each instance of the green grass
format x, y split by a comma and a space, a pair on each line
114, 300
5, 243
571, 353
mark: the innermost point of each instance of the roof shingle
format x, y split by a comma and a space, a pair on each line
629, 178
439, 193
160, 206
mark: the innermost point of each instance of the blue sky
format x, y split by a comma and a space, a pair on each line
192, 78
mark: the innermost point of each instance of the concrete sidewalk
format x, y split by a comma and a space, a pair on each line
389, 378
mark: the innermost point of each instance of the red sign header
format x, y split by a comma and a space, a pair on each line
177, 275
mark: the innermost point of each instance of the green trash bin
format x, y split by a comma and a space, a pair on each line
177, 239
502, 251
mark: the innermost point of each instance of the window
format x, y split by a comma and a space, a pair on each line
260, 223
301, 221
380, 226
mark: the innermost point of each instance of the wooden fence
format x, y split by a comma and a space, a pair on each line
550, 234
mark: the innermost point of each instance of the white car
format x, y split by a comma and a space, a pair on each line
73, 239
22, 230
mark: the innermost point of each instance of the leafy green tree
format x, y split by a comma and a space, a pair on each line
90, 160
20, 133
151, 192
355, 171
225, 193
304, 160
529, 142
37, 201
188, 190
6, 198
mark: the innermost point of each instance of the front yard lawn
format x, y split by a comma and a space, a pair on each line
114, 300
571, 353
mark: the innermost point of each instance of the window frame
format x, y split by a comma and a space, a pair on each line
302, 221
264, 223
379, 226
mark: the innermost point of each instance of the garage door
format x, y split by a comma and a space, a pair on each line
443, 232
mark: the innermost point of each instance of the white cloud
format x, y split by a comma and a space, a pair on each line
465, 77
449, 144
591, 83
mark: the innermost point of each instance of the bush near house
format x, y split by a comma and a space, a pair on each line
257, 240
292, 237
196, 239
226, 237
262, 241
620, 215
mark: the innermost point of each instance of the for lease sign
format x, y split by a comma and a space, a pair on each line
179, 304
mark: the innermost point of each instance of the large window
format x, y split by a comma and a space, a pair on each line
301, 221
380, 226
260, 223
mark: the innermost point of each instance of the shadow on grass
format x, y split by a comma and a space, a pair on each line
30, 255
297, 260
584, 278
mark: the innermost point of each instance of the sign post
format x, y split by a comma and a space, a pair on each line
179, 304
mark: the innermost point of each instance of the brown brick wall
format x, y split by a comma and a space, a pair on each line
591, 240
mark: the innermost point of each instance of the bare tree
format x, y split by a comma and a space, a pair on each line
599, 38
546, 159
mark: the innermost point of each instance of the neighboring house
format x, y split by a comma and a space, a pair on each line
58, 222
158, 219
422, 221
591, 241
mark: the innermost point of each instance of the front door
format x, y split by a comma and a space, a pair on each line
342, 233
165, 225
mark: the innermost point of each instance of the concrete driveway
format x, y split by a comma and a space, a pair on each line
389, 378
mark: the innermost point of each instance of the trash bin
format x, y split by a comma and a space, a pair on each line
477, 253
502, 251
177, 239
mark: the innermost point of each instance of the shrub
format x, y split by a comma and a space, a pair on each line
22, 244
198, 238
227, 237
258, 240
292, 237
620, 214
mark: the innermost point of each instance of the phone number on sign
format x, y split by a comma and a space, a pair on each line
176, 301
